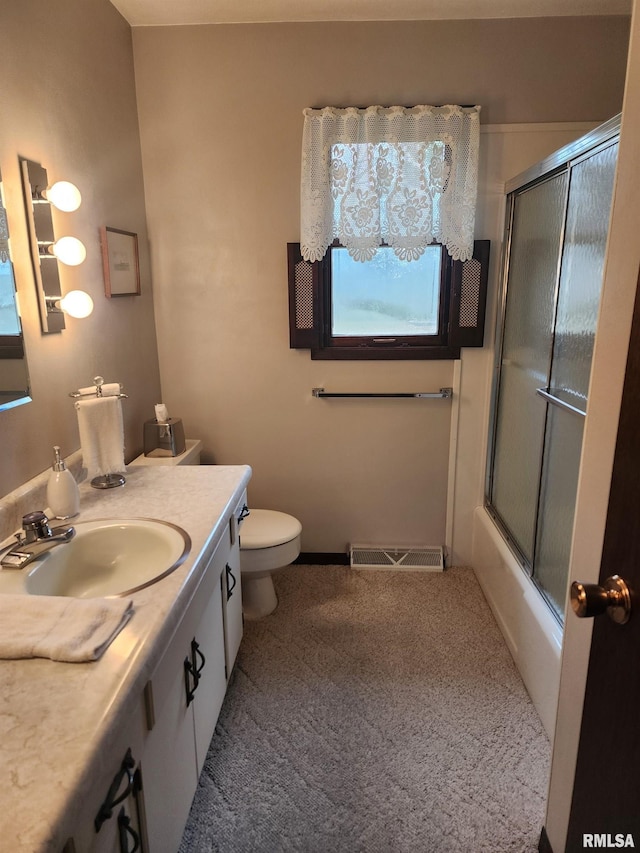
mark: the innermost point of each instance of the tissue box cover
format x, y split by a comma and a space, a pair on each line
164, 438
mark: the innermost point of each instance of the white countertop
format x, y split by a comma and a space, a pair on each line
56, 719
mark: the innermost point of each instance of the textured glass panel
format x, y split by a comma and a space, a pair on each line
581, 277
557, 504
528, 336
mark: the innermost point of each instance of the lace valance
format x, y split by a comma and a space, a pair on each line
401, 176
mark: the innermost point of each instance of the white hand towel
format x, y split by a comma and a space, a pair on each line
63, 629
109, 389
101, 435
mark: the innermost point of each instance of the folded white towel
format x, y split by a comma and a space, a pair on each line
109, 389
101, 435
60, 628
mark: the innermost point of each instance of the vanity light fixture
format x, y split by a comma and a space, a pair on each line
63, 194
76, 304
69, 250
46, 250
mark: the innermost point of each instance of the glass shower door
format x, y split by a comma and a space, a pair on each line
538, 216
577, 313
557, 238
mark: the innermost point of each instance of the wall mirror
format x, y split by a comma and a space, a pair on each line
14, 376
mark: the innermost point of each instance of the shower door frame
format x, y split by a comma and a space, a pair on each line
560, 162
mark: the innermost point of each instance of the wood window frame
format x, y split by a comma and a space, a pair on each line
461, 312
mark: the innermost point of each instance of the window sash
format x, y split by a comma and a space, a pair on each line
329, 339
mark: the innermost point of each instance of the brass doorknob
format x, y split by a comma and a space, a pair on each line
612, 598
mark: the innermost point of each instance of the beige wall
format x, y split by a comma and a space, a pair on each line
67, 100
220, 113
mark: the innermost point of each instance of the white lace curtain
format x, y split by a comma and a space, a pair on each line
401, 176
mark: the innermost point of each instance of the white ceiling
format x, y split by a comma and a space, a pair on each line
145, 13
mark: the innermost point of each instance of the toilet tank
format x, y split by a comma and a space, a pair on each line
190, 456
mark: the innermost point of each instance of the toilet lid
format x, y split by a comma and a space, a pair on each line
265, 528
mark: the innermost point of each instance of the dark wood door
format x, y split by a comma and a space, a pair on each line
606, 795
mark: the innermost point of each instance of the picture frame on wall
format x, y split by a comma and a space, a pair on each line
120, 262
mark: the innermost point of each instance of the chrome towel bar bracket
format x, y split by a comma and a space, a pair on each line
443, 393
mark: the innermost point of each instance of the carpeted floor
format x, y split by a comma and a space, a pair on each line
377, 712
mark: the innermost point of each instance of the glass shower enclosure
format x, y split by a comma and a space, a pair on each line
556, 231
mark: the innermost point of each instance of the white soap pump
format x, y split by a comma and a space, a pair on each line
63, 496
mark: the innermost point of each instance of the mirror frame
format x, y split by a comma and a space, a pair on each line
12, 346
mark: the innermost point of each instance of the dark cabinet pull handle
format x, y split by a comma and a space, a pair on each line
113, 798
192, 671
195, 652
233, 585
190, 675
125, 832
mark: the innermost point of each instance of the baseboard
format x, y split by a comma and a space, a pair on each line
544, 845
322, 558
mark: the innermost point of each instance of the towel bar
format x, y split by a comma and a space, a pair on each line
444, 393
556, 401
114, 479
98, 381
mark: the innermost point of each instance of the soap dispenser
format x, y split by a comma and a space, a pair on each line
63, 496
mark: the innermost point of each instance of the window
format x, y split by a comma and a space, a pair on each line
384, 298
387, 308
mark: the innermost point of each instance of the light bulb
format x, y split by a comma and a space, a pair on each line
63, 195
77, 304
69, 250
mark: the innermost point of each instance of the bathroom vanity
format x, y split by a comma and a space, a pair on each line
101, 756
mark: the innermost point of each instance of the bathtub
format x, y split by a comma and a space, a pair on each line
531, 632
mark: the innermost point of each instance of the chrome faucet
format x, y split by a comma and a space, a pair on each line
35, 538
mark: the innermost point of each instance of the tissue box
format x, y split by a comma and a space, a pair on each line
164, 438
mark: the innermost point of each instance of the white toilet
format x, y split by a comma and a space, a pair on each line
269, 540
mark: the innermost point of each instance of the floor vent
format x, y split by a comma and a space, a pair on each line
419, 558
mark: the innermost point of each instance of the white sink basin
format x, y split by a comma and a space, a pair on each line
109, 557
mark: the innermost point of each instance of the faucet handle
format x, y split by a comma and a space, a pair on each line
36, 525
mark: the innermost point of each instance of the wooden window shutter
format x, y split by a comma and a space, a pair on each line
469, 297
303, 300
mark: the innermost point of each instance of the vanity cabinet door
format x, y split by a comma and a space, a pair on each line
212, 684
168, 760
232, 600
183, 698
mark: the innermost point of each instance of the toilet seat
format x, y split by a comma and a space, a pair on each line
266, 528
268, 540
